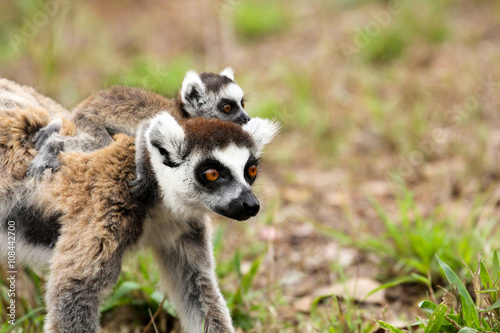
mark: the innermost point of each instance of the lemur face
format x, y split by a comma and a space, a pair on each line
216, 96
208, 164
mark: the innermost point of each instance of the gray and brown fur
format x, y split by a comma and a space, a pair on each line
23, 111
16, 96
90, 219
121, 109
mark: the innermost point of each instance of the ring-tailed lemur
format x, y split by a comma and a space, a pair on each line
83, 217
121, 109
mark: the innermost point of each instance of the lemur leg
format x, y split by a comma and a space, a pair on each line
188, 274
82, 272
49, 149
47, 156
44, 133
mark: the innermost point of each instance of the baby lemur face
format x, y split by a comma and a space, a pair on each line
215, 96
207, 164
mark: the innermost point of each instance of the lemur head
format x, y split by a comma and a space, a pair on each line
213, 95
207, 164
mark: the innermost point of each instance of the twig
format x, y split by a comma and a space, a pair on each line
152, 321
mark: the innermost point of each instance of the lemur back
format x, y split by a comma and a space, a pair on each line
16, 96
120, 110
23, 111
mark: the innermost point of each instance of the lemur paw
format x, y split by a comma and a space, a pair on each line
138, 186
44, 133
47, 157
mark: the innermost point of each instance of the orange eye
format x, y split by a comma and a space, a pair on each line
227, 108
252, 171
243, 104
211, 175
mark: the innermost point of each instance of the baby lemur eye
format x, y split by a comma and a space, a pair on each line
242, 104
163, 151
211, 175
252, 171
227, 107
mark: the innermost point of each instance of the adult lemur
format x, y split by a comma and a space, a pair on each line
121, 109
82, 218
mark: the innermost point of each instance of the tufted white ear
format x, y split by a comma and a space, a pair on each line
192, 91
262, 131
166, 136
228, 72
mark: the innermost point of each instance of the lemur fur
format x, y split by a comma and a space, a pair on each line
15, 96
120, 110
83, 217
23, 111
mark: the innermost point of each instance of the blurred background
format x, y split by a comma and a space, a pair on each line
389, 152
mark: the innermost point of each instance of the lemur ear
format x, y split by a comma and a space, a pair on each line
193, 90
262, 131
228, 72
167, 137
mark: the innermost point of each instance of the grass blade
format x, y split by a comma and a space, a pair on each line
389, 327
495, 269
395, 282
485, 276
495, 305
436, 319
469, 309
467, 330
427, 306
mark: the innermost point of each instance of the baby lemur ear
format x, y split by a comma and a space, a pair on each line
228, 72
166, 137
262, 131
193, 91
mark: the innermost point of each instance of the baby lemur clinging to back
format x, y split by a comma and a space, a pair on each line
120, 110
82, 218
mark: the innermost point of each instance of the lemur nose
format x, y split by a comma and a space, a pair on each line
243, 119
252, 208
251, 204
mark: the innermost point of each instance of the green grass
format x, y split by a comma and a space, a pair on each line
460, 311
29, 307
164, 78
257, 19
388, 34
410, 241
340, 316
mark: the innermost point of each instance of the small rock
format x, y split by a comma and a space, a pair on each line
378, 188
336, 199
303, 304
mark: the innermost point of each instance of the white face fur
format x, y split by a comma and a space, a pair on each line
186, 190
214, 96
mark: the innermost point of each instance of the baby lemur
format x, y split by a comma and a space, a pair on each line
82, 218
120, 110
